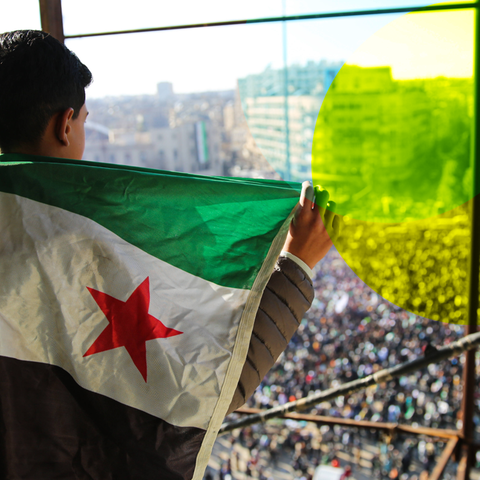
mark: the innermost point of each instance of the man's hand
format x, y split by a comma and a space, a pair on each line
314, 228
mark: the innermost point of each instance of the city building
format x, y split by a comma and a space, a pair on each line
164, 131
165, 91
281, 107
191, 147
266, 121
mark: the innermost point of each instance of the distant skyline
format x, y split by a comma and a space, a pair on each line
210, 59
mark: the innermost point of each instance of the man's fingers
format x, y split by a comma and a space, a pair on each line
331, 221
307, 193
331, 206
310, 236
328, 220
321, 205
337, 225
321, 196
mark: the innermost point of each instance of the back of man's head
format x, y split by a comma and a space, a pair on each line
39, 77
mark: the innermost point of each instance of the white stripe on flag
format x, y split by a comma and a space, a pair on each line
50, 256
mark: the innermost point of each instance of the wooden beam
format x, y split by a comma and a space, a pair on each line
463, 470
346, 422
443, 460
51, 18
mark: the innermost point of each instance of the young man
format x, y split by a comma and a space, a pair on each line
42, 113
42, 100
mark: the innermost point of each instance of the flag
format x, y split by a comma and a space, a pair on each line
127, 300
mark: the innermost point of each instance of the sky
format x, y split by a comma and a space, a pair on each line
214, 58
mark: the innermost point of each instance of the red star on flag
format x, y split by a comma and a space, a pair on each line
130, 325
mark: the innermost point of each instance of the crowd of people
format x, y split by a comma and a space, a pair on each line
349, 333
420, 265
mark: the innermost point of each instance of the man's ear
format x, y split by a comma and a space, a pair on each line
62, 126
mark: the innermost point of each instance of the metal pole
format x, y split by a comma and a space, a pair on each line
52, 19
467, 453
313, 16
455, 348
285, 93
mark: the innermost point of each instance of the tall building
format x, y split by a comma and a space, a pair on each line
266, 121
369, 131
281, 108
314, 78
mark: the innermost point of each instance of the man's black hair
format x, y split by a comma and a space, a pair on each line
39, 77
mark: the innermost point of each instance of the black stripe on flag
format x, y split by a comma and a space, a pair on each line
51, 428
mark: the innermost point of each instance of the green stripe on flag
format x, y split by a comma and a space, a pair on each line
217, 228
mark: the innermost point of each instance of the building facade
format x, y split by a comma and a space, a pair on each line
281, 107
190, 147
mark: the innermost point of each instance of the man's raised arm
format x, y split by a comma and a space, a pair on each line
289, 292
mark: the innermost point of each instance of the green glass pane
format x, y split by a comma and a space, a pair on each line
392, 144
392, 139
